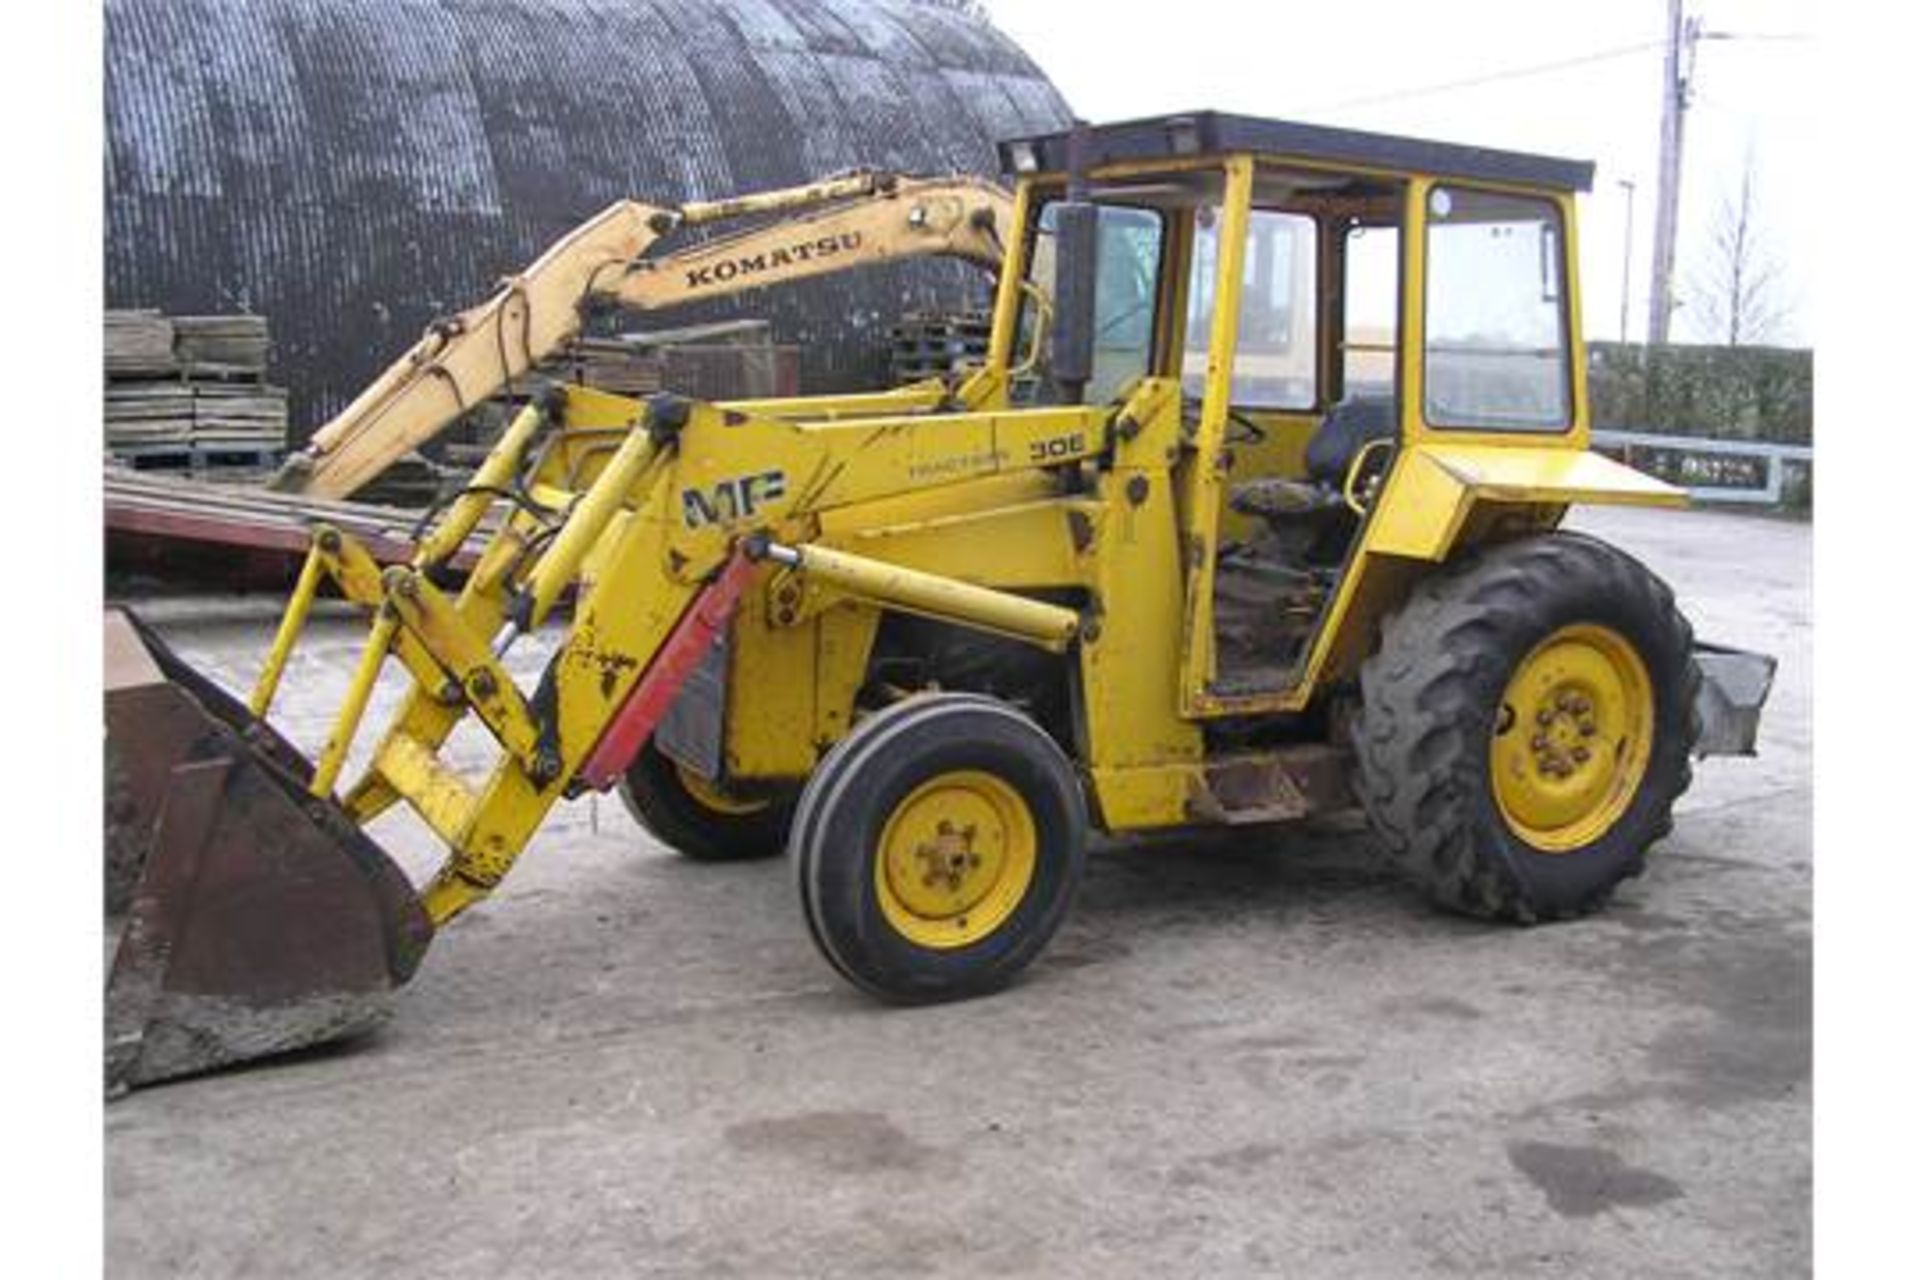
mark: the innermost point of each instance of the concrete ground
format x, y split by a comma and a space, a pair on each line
1243, 1057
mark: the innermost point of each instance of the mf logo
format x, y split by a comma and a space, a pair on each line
735, 498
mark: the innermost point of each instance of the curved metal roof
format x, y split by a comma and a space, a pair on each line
355, 170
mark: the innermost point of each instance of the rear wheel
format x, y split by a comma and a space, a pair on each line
1526, 727
938, 848
700, 819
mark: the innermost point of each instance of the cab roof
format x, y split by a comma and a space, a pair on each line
1215, 133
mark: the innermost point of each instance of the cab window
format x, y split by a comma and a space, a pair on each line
1496, 349
1371, 312
1127, 284
1274, 355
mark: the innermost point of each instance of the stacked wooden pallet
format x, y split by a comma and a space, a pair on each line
190, 392
730, 372
726, 360
933, 344
612, 364
139, 344
236, 343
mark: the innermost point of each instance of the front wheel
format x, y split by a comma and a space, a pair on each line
1526, 727
700, 819
938, 848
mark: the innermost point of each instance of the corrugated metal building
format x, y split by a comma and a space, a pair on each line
354, 169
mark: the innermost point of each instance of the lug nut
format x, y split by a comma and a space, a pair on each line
1581, 755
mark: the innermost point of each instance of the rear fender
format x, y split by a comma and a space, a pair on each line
1424, 510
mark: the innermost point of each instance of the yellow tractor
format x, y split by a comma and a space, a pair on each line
1252, 513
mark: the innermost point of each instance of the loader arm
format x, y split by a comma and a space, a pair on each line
826, 226
651, 532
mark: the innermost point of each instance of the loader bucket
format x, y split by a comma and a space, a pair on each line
252, 917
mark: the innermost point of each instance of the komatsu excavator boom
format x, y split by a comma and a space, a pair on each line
846, 221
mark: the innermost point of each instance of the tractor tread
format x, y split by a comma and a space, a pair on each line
1419, 738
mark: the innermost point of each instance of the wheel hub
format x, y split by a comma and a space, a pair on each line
949, 857
1573, 737
956, 858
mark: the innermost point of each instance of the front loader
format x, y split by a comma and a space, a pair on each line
1273, 532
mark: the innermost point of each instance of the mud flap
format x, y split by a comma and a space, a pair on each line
258, 918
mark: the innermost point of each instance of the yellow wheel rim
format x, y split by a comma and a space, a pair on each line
955, 859
709, 796
1572, 738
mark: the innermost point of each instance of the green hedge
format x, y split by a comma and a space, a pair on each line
1729, 393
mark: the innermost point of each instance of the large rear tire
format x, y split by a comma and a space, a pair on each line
1526, 727
938, 848
699, 819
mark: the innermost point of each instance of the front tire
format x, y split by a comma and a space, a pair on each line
1526, 727
697, 818
938, 848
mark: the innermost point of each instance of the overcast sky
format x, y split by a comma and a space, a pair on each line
1362, 63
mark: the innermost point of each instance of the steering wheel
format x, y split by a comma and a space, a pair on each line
1251, 432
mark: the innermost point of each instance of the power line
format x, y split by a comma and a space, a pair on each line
1784, 37
1514, 73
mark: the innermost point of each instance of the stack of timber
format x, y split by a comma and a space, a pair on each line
189, 393
935, 344
727, 360
161, 524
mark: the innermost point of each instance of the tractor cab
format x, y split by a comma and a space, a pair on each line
1324, 298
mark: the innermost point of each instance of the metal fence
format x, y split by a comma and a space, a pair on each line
1749, 472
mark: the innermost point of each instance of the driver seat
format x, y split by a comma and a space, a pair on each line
1349, 427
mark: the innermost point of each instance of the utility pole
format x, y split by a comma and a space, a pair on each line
1682, 34
1626, 260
